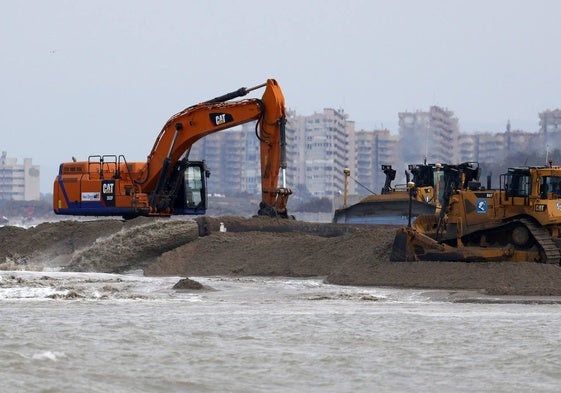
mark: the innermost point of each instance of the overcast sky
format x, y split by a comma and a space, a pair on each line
101, 77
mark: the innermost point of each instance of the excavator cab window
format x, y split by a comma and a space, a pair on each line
195, 190
192, 194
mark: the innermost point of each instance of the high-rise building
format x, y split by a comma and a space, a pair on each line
430, 136
18, 182
224, 154
467, 147
494, 147
373, 148
550, 129
326, 138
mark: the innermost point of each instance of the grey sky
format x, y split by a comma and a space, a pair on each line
102, 77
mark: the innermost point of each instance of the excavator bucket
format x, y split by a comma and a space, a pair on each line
411, 245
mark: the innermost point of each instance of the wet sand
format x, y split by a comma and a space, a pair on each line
342, 254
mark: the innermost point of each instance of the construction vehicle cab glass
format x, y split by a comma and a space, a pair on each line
550, 187
193, 198
517, 182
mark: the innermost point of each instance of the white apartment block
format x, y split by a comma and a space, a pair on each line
483, 147
430, 136
327, 140
521, 141
550, 129
489, 147
19, 182
225, 156
493, 147
373, 149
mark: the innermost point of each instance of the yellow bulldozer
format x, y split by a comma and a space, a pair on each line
519, 222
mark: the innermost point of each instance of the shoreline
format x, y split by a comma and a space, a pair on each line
344, 254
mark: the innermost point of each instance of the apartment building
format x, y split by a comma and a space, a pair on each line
327, 137
19, 182
517, 141
493, 147
481, 147
550, 128
430, 135
295, 151
223, 153
373, 148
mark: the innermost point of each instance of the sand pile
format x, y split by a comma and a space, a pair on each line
133, 247
343, 254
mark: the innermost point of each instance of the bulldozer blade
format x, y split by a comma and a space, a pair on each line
412, 245
399, 247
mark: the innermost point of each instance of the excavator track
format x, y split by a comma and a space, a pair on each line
543, 238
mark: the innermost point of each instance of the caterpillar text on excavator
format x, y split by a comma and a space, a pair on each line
168, 183
519, 222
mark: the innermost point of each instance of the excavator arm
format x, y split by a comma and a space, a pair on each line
153, 186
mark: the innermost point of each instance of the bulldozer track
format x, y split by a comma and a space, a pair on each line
543, 238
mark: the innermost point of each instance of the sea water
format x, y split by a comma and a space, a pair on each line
91, 332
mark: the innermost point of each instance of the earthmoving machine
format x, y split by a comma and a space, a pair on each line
518, 222
392, 205
168, 183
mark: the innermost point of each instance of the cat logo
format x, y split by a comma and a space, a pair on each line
108, 192
108, 188
219, 119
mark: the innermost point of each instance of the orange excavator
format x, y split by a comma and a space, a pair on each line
168, 183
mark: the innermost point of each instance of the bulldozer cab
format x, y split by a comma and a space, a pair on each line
521, 185
428, 180
423, 175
